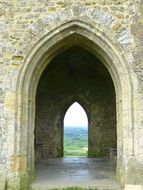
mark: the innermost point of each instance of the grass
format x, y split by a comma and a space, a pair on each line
75, 142
74, 188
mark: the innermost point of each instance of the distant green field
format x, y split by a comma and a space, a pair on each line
75, 141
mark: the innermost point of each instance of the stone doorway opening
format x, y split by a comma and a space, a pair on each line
93, 39
75, 131
75, 75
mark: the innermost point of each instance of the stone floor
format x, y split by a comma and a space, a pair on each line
68, 172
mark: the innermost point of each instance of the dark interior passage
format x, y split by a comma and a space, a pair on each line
75, 75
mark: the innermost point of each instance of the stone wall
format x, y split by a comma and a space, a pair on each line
75, 75
24, 25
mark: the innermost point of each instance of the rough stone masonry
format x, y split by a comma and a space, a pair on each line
33, 35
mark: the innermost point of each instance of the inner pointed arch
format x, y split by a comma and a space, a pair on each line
75, 131
76, 116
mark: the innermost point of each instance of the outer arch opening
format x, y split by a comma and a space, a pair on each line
29, 77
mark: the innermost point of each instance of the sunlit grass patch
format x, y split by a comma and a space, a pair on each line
75, 142
74, 188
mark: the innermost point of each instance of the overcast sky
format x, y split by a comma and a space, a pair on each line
75, 116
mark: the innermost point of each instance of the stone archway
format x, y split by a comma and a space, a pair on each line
96, 42
75, 74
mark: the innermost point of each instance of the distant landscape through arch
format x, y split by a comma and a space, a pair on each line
75, 131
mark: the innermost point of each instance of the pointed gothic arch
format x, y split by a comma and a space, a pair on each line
70, 119
49, 46
68, 104
79, 105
